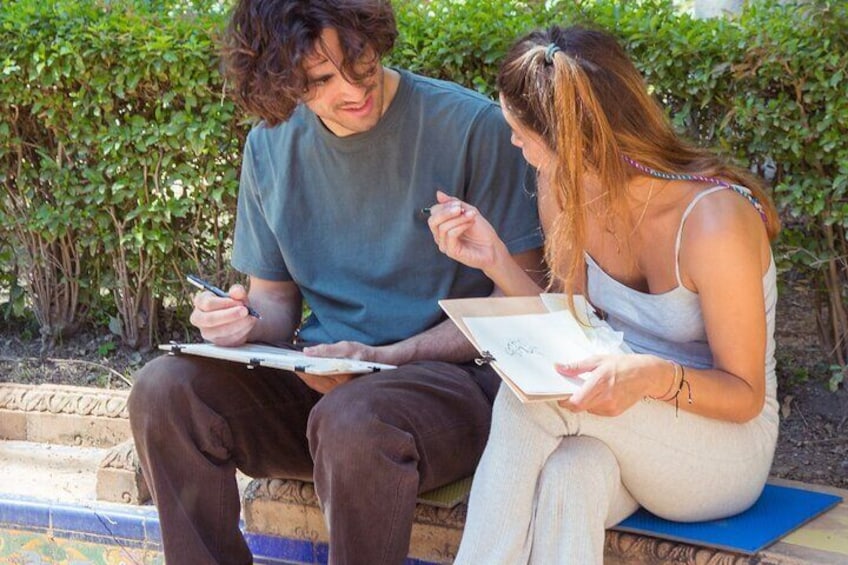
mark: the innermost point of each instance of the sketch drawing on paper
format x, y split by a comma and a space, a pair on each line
518, 348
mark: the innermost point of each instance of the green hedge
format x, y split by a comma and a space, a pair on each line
120, 153
119, 158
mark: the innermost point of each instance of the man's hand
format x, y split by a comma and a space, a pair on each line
324, 383
223, 321
343, 350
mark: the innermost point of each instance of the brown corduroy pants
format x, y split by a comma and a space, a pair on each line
370, 445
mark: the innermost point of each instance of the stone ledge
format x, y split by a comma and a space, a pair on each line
66, 415
119, 477
284, 513
78, 416
288, 508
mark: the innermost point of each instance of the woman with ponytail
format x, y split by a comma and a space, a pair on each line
671, 245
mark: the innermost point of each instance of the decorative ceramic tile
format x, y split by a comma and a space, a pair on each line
20, 512
98, 522
272, 549
152, 533
35, 532
34, 548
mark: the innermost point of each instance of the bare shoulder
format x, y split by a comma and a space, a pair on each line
723, 211
723, 228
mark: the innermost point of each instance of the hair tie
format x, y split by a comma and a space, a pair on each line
552, 50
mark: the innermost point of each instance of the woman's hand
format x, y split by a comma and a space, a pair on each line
463, 234
614, 383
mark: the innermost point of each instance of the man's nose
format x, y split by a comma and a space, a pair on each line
354, 88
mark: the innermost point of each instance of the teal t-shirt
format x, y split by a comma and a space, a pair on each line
340, 216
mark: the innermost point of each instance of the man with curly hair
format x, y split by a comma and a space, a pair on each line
335, 175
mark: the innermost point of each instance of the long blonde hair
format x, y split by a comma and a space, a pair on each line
577, 89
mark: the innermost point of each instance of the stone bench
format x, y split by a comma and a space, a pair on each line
288, 508
281, 516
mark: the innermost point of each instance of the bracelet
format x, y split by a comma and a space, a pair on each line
667, 395
679, 372
679, 388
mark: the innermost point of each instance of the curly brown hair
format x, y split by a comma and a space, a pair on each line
266, 42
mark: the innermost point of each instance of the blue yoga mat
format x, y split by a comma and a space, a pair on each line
778, 511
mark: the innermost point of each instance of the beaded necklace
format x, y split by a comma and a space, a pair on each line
744, 191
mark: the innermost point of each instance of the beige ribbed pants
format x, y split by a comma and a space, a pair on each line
550, 481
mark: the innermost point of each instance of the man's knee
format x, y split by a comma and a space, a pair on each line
332, 420
156, 387
352, 427
146, 389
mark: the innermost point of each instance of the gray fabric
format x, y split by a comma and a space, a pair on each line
671, 324
340, 216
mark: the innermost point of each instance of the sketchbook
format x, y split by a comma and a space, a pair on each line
258, 355
523, 337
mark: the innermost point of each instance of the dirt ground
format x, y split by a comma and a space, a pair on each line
813, 443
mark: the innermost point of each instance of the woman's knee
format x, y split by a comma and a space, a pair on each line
580, 467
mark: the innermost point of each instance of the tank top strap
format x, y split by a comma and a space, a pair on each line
686, 213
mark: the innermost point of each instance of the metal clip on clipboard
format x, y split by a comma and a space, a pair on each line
484, 359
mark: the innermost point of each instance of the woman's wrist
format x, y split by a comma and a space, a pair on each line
502, 261
515, 275
664, 379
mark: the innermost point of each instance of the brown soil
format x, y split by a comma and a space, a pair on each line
813, 443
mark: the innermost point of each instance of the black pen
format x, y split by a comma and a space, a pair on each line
200, 283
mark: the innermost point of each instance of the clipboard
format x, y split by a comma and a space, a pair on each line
546, 332
259, 355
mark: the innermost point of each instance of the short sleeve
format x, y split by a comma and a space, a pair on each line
501, 184
256, 251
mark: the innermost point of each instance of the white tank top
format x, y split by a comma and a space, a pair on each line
671, 324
